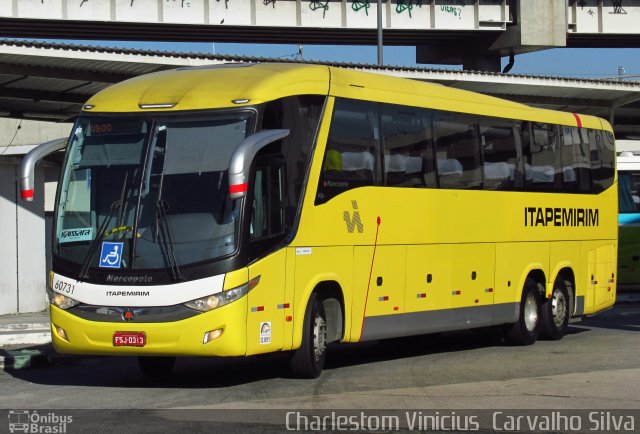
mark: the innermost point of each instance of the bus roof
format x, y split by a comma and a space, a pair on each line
237, 85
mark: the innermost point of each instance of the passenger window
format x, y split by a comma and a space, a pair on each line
576, 166
352, 156
602, 161
500, 143
408, 151
542, 168
457, 151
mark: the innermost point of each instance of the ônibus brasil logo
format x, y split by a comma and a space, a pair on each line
27, 421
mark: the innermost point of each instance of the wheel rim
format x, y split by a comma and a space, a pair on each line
530, 312
559, 307
319, 337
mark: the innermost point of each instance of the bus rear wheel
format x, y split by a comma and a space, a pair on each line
308, 360
526, 330
555, 312
156, 367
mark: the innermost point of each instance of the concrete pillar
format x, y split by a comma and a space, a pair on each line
540, 24
24, 252
31, 252
22, 243
8, 238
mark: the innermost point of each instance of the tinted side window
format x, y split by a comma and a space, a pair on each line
408, 147
267, 225
457, 151
602, 160
299, 114
576, 166
628, 191
352, 156
542, 162
500, 143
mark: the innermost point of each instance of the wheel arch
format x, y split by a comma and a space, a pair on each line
332, 298
536, 273
329, 290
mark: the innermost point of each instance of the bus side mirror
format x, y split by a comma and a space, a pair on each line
28, 164
242, 157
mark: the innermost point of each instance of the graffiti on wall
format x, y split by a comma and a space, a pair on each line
617, 8
358, 5
319, 5
407, 5
454, 7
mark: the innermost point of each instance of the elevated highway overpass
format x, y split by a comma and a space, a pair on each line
475, 33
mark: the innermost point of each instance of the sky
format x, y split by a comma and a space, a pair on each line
570, 62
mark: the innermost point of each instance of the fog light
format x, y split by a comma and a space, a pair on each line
211, 335
63, 334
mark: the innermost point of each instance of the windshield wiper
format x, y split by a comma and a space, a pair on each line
165, 232
122, 198
94, 243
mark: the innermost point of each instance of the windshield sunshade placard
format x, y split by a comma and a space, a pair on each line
75, 235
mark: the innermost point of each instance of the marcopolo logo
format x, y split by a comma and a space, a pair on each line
33, 422
353, 222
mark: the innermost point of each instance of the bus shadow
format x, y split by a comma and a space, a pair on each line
623, 317
123, 372
219, 373
418, 346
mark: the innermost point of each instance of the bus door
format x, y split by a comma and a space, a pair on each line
266, 304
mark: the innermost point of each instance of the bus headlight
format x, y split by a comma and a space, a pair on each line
210, 302
61, 301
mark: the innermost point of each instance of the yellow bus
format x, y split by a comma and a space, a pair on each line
252, 208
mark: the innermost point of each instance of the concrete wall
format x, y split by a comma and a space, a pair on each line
25, 133
22, 244
24, 232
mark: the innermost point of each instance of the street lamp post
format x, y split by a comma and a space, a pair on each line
380, 61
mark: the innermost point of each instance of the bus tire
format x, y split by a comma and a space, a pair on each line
308, 360
555, 312
526, 329
156, 367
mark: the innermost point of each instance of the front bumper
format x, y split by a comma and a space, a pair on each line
175, 338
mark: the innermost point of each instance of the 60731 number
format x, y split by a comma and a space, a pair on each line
65, 287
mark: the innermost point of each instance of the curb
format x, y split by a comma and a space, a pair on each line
25, 334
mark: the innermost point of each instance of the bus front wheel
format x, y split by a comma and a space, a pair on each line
308, 360
525, 331
555, 312
156, 367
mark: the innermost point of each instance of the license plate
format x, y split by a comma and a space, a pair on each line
129, 339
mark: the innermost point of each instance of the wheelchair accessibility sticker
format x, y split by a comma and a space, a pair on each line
111, 255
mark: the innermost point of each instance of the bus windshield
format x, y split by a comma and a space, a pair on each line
149, 192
